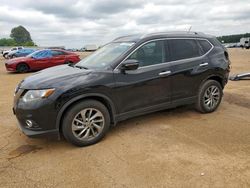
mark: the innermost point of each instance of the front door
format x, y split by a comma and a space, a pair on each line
149, 85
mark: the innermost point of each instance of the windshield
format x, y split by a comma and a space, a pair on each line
103, 57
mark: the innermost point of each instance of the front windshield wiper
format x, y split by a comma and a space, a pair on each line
78, 66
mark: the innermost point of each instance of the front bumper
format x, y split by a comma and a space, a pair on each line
38, 133
10, 68
41, 113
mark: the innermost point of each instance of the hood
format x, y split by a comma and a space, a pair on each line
58, 76
18, 59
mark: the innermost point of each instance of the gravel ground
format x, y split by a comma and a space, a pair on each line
172, 148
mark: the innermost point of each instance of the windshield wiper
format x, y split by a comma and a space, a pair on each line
79, 67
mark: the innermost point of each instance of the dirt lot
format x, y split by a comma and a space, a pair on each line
173, 148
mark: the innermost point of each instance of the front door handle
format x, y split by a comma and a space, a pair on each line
165, 73
203, 64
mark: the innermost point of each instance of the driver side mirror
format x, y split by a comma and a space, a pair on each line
130, 64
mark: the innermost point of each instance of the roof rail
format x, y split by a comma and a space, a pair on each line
172, 32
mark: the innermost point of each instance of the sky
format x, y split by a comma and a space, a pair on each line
75, 23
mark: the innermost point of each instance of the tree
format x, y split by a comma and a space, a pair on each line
21, 35
7, 42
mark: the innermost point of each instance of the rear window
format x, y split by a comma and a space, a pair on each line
205, 45
183, 49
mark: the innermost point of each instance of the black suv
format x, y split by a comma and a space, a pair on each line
130, 76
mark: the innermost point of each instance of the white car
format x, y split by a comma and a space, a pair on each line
5, 53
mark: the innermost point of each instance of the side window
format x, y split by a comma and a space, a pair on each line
149, 54
43, 54
56, 53
205, 46
183, 49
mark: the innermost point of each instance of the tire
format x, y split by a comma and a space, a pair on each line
78, 129
5, 56
22, 67
209, 96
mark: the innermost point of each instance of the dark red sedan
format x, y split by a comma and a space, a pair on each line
41, 59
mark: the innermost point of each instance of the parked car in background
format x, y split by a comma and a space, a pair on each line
245, 42
131, 76
90, 47
41, 59
5, 53
20, 53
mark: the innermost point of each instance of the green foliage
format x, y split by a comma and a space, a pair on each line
30, 43
232, 38
7, 42
19, 37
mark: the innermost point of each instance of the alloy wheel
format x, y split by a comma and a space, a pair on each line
211, 97
88, 124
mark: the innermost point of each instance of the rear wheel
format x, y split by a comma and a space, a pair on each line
209, 96
23, 67
86, 123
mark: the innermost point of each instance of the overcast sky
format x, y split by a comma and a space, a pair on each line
74, 23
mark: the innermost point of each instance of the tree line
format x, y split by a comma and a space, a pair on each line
232, 38
19, 36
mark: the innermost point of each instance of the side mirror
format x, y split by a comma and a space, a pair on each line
130, 64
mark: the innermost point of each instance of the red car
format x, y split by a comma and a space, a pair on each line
41, 59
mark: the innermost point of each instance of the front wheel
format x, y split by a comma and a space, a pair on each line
86, 123
209, 96
22, 68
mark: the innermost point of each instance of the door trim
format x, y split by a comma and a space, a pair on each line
154, 108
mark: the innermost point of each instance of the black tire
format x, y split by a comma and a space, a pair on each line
22, 67
207, 103
5, 56
74, 112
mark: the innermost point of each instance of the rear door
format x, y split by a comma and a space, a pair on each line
189, 67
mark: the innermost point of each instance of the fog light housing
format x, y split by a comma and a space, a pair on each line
29, 123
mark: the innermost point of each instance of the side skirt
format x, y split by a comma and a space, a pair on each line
155, 108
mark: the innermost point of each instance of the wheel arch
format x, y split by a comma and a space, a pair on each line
23, 62
216, 77
106, 101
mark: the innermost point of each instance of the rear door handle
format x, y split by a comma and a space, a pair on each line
165, 73
203, 64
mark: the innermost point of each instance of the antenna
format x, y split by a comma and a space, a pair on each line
189, 28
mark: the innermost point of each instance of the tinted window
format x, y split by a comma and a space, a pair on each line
41, 54
205, 45
56, 53
183, 49
149, 54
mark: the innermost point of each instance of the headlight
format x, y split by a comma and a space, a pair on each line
32, 95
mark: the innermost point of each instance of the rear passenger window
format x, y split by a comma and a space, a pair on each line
56, 53
150, 54
205, 45
183, 49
